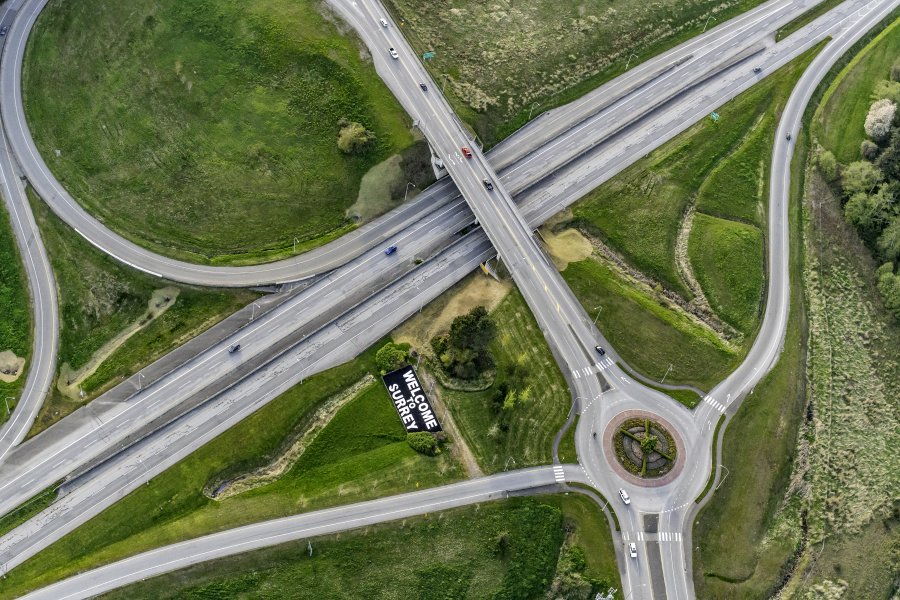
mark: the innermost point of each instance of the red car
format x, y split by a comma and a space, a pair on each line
466, 152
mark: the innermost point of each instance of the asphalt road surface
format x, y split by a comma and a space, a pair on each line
625, 397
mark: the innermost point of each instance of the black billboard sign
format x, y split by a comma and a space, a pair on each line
409, 399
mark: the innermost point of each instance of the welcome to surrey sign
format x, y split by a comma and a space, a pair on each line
410, 401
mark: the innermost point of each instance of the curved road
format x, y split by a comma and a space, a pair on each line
707, 408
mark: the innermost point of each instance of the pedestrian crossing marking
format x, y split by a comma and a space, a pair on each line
714, 403
559, 474
597, 367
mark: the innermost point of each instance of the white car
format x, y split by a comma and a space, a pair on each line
624, 496
383, 22
394, 54
632, 550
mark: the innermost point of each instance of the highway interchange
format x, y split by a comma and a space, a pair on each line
582, 160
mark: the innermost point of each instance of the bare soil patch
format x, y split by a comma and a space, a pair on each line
10, 366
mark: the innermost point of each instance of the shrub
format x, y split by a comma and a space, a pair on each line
423, 442
860, 176
868, 150
887, 90
889, 287
391, 357
889, 241
880, 118
353, 138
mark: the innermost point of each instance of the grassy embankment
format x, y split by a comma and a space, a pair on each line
533, 423
361, 453
15, 308
99, 298
722, 170
501, 550
502, 62
830, 520
208, 131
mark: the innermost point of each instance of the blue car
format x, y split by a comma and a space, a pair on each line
390, 250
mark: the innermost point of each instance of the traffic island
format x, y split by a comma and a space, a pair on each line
643, 448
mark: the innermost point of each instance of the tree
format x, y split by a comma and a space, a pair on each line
860, 176
474, 330
889, 240
868, 150
880, 118
827, 164
423, 442
887, 90
354, 137
391, 357
868, 212
889, 287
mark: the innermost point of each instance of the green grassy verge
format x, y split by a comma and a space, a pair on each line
712, 473
532, 423
664, 337
639, 212
746, 504
99, 298
567, 453
15, 306
209, 129
727, 257
13, 519
838, 125
502, 63
687, 397
808, 17
360, 454
504, 549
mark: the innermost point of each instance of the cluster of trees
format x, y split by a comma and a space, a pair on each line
464, 352
391, 357
871, 187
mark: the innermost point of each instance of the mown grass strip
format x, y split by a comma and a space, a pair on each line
27, 510
712, 472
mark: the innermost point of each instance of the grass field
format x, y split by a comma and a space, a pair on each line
100, 297
532, 423
15, 306
727, 256
502, 59
838, 124
457, 556
362, 453
664, 337
208, 130
639, 212
746, 504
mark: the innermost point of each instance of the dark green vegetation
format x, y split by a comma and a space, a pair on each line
465, 351
100, 298
391, 357
209, 129
512, 421
664, 337
745, 505
505, 550
722, 168
501, 63
15, 308
808, 17
870, 187
653, 440
360, 454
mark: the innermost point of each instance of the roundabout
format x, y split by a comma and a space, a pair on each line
643, 448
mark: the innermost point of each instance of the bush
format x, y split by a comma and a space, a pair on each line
423, 442
887, 90
391, 357
868, 150
353, 137
889, 287
860, 176
827, 164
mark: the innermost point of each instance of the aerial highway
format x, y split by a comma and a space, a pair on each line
623, 385
687, 61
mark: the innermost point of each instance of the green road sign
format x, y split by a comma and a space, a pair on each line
715, 116
428, 55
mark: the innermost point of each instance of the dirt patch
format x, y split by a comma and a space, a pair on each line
566, 247
458, 446
298, 444
70, 379
374, 197
10, 366
477, 290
